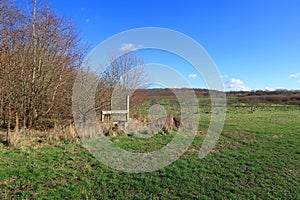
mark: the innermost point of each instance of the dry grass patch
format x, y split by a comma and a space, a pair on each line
35, 138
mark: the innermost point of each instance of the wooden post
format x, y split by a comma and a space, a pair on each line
102, 116
127, 108
127, 113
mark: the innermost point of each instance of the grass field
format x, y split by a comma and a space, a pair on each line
257, 157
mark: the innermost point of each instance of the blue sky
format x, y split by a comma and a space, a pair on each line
254, 43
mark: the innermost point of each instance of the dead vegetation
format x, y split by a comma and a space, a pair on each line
142, 126
31, 138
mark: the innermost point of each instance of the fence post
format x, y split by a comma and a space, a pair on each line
127, 113
127, 108
102, 116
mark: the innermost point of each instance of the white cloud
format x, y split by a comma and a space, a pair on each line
296, 75
224, 76
268, 88
298, 81
236, 85
192, 75
87, 20
127, 47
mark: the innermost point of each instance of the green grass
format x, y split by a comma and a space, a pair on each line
257, 157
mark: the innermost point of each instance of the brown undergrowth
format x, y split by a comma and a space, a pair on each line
141, 125
33, 138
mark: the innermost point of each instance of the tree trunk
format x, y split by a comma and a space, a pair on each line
8, 136
17, 123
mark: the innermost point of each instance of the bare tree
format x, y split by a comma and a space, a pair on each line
39, 59
10, 26
123, 75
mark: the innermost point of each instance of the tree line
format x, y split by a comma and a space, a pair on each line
41, 53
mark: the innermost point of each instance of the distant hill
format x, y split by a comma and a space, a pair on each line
284, 97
